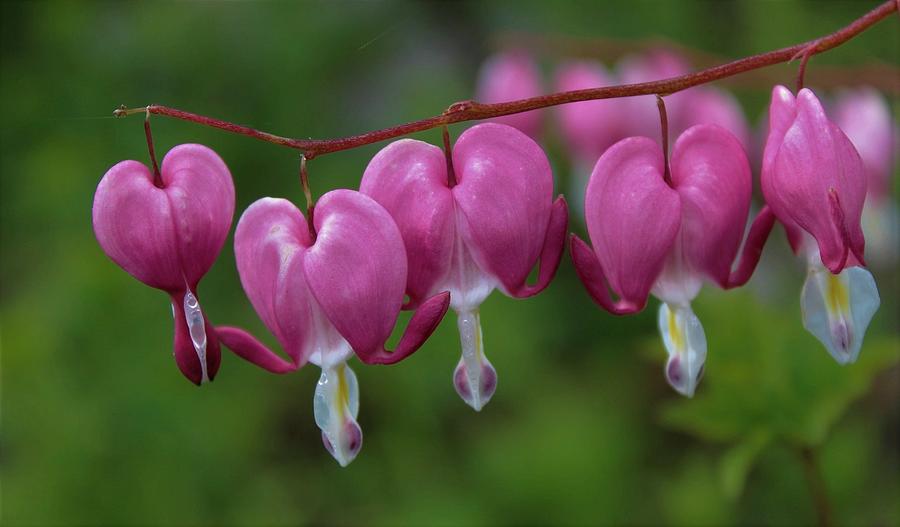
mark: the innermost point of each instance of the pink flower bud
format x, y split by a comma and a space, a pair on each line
507, 77
486, 231
167, 235
813, 178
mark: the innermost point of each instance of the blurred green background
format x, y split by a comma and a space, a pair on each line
99, 426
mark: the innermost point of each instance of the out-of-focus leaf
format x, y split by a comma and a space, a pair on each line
737, 462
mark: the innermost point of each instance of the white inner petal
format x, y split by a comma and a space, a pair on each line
677, 283
335, 408
328, 347
685, 343
475, 378
197, 329
837, 309
467, 283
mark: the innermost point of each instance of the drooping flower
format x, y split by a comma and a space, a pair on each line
167, 232
326, 298
864, 115
815, 182
510, 76
482, 225
666, 238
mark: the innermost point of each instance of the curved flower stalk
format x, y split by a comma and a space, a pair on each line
815, 182
665, 238
327, 297
509, 76
588, 128
864, 115
473, 221
166, 230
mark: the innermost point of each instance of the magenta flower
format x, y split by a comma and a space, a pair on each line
510, 76
815, 182
482, 225
167, 232
327, 297
667, 238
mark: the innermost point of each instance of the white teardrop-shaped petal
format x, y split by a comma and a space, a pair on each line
335, 407
837, 309
685, 343
475, 379
197, 329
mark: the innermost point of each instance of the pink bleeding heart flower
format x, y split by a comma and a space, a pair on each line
815, 182
167, 232
588, 128
864, 115
667, 238
480, 223
327, 298
511, 76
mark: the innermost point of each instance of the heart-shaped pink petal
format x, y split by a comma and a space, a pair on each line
632, 217
505, 193
409, 179
167, 237
711, 174
269, 246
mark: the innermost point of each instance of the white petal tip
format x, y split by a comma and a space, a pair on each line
484, 378
685, 343
837, 309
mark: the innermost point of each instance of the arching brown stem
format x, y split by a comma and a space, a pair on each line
472, 110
